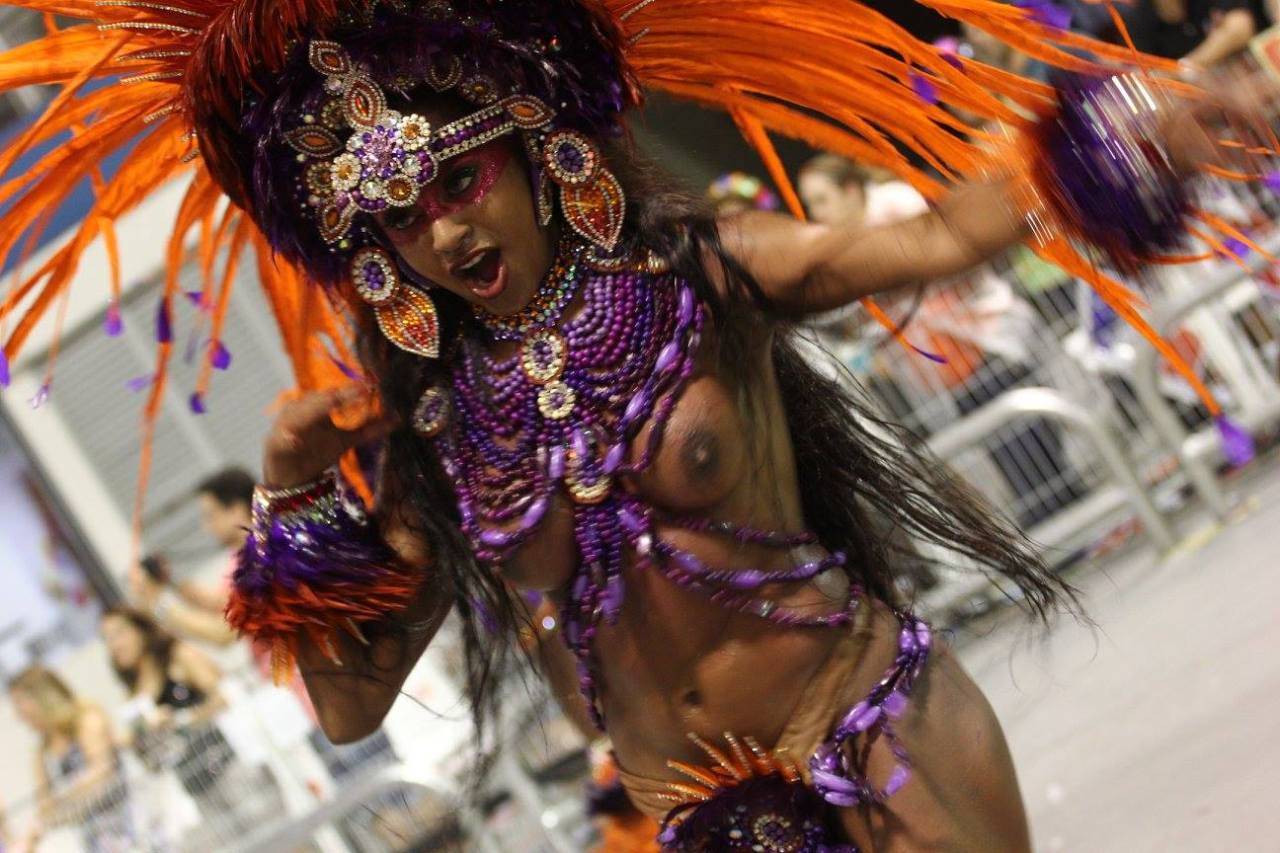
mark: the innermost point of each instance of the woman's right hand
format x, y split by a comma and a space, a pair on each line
305, 441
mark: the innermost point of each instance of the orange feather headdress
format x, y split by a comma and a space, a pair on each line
833, 73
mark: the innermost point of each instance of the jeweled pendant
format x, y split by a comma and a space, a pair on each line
544, 355
583, 487
432, 412
409, 321
556, 400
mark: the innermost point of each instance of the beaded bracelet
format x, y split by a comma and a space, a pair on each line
315, 565
297, 503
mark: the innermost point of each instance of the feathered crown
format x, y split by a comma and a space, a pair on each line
205, 89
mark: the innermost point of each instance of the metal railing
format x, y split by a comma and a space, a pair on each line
1200, 451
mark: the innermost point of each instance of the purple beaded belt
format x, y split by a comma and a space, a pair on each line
750, 799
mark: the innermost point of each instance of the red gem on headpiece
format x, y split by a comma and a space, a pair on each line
334, 222
329, 58
364, 101
527, 112
312, 140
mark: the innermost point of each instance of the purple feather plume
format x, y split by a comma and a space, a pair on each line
221, 357
164, 323
1238, 447
1125, 210
321, 573
112, 323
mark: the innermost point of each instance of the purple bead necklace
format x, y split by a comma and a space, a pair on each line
563, 412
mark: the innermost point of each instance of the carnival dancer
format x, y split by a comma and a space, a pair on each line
586, 382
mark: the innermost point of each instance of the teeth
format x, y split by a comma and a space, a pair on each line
472, 265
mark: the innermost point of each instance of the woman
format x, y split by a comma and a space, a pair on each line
590, 390
77, 768
176, 691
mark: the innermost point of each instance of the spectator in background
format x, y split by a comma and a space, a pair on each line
77, 767
175, 692
978, 323
190, 608
1202, 33
838, 191
738, 192
833, 189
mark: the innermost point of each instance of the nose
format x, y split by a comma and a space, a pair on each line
450, 236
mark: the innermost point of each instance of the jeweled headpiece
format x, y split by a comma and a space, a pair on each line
349, 154
387, 157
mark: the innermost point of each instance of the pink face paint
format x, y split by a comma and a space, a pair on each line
462, 181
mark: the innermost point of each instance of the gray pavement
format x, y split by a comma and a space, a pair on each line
1158, 730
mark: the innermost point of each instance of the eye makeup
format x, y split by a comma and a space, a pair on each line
462, 181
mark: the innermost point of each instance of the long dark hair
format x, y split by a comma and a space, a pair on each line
885, 485
157, 644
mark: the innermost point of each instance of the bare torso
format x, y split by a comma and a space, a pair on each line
677, 663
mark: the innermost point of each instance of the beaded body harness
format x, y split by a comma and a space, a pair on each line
565, 411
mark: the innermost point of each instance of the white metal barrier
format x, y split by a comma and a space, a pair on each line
1255, 390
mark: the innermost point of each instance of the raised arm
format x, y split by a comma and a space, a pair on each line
1228, 35
805, 268
354, 679
353, 697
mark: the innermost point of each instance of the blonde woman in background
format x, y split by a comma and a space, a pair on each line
77, 766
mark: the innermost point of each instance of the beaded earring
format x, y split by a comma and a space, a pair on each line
590, 196
406, 315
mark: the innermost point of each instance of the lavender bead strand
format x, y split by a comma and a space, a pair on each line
560, 416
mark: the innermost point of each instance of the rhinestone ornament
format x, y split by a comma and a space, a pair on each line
556, 400
432, 412
374, 275
544, 354
571, 158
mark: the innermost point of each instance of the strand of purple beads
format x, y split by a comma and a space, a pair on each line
518, 434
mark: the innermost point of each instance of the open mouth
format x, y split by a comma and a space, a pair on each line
484, 274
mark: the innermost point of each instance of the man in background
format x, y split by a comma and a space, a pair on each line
190, 608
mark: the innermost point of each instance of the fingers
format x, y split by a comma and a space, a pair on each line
375, 430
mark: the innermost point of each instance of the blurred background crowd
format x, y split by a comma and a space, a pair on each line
135, 720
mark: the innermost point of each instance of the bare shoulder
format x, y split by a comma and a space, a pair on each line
93, 725
963, 795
